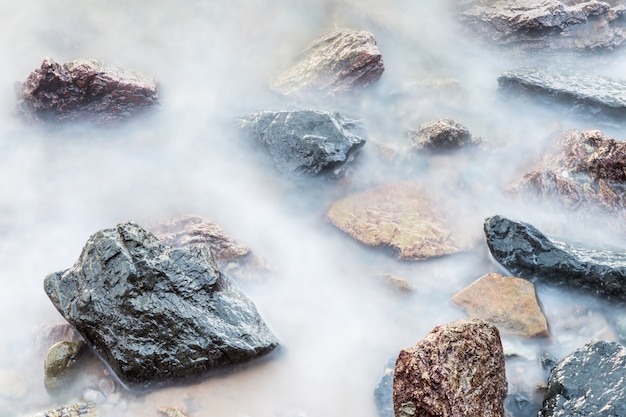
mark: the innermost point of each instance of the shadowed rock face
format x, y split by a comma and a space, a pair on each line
155, 313
339, 62
305, 142
589, 382
85, 90
456, 370
528, 253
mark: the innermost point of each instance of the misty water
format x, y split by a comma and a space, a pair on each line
338, 321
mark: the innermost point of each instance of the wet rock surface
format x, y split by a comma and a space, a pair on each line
340, 62
401, 217
305, 142
581, 94
538, 24
528, 253
156, 313
456, 370
79, 409
589, 382
60, 364
441, 135
509, 303
85, 90
585, 174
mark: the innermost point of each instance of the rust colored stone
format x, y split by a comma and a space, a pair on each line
507, 302
457, 370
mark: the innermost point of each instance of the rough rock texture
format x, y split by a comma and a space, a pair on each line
85, 90
305, 141
80, 409
156, 313
339, 62
538, 24
528, 253
589, 382
232, 258
457, 370
60, 364
582, 94
402, 217
441, 135
586, 174
509, 303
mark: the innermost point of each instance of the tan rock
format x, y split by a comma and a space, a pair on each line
507, 302
403, 217
456, 370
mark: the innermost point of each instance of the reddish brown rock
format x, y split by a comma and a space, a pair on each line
586, 174
339, 62
456, 371
85, 90
403, 217
507, 302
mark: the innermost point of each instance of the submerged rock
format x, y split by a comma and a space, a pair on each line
507, 302
553, 24
60, 364
383, 393
403, 217
583, 94
589, 382
528, 253
85, 90
339, 62
441, 135
456, 370
157, 313
305, 141
79, 409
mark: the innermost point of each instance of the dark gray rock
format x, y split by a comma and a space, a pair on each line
528, 253
441, 135
589, 382
305, 141
579, 93
157, 313
85, 90
383, 393
547, 24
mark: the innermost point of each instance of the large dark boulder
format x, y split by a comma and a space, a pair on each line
546, 24
85, 90
305, 142
157, 313
528, 253
589, 382
581, 94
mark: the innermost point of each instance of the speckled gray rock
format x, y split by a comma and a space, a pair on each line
305, 142
157, 313
441, 135
589, 382
579, 93
85, 90
339, 62
528, 253
80, 409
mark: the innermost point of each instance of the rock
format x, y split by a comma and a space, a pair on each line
398, 283
155, 313
509, 303
12, 385
528, 253
170, 412
585, 174
402, 217
441, 135
52, 333
581, 94
383, 393
457, 370
85, 90
589, 382
538, 24
232, 258
340, 62
305, 142
79, 409
60, 364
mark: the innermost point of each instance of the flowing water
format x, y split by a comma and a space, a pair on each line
338, 322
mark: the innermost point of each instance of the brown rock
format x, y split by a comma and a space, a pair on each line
441, 135
403, 217
456, 371
339, 62
85, 90
506, 302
